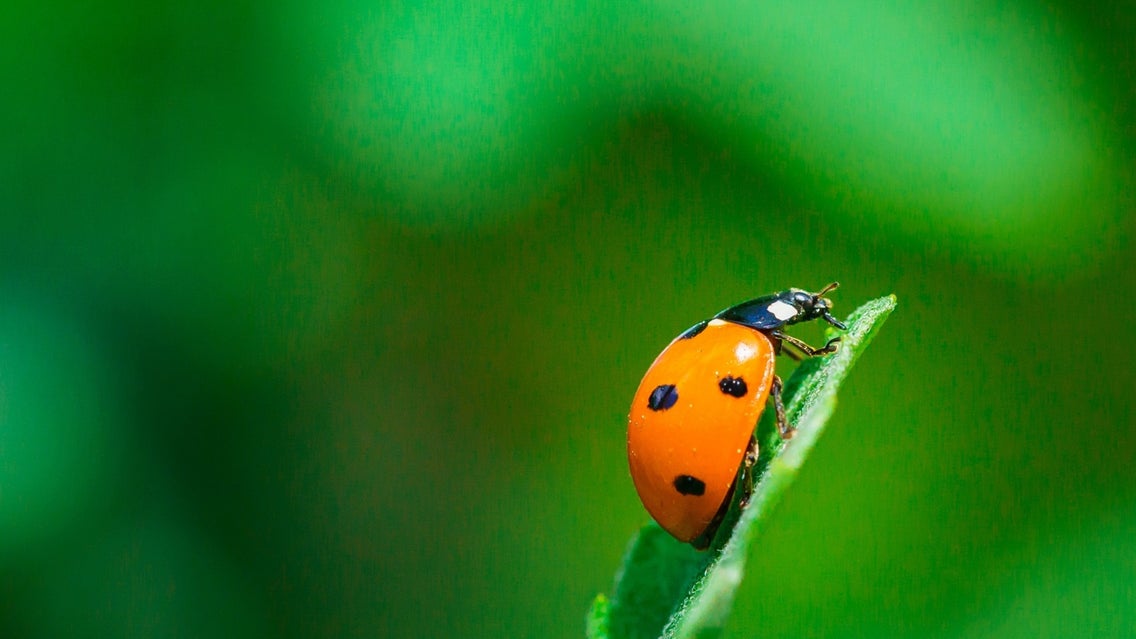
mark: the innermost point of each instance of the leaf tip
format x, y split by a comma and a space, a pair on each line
597, 622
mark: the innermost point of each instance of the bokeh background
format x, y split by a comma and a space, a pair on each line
321, 319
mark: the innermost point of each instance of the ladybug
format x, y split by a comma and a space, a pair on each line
692, 421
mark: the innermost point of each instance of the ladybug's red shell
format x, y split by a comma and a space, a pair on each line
692, 420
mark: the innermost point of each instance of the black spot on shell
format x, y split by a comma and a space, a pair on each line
694, 330
688, 485
663, 397
733, 386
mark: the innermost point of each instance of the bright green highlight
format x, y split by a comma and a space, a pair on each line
976, 117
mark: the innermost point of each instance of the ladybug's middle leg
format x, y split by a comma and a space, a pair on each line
747, 478
784, 428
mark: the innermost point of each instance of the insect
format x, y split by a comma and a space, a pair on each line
692, 421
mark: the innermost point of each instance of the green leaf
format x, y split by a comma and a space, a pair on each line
666, 588
598, 617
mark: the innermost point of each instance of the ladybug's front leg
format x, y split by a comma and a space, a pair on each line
809, 351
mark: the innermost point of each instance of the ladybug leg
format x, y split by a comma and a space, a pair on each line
747, 471
809, 351
784, 428
793, 355
751, 452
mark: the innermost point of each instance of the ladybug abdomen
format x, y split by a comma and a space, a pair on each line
692, 419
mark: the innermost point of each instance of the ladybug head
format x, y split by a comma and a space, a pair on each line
771, 312
811, 306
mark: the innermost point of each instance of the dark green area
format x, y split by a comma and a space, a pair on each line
323, 319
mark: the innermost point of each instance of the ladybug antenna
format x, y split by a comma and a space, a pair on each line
826, 315
830, 287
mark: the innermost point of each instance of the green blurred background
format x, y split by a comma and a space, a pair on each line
321, 319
